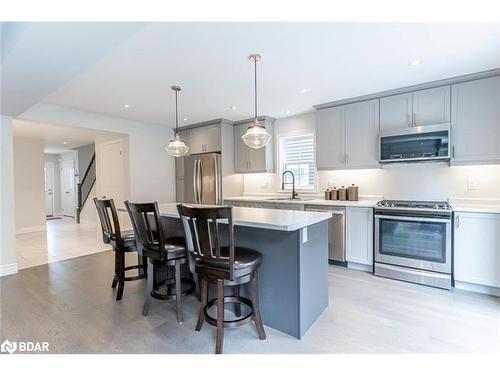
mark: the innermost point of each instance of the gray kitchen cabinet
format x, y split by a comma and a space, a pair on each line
330, 139
250, 160
417, 108
475, 121
205, 139
395, 111
359, 235
347, 136
362, 127
185, 135
476, 248
431, 106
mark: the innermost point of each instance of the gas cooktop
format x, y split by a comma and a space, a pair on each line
415, 205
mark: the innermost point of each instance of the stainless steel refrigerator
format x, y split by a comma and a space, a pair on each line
199, 179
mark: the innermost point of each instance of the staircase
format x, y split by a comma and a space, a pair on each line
84, 187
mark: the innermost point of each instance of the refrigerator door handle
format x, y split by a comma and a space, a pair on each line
195, 181
199, 179
216, 169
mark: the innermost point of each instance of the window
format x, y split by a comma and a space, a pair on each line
297, 156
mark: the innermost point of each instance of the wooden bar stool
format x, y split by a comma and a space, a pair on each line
122, 242
223, 265
160, 254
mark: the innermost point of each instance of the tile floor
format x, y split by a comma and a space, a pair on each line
64, 239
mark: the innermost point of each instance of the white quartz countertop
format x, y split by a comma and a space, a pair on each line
284, 220
491, 206
307, 201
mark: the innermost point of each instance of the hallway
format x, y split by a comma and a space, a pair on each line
64, 239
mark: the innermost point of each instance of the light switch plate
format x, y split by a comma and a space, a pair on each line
304, 235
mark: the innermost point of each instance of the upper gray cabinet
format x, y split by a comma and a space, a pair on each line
431, 106
347, 136
205, 139
417, 108
475, 121
330, 138
250, 160
395, 111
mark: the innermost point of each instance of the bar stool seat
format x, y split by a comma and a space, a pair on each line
171, 251
246, 261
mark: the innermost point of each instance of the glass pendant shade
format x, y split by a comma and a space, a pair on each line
177, 147
256, 136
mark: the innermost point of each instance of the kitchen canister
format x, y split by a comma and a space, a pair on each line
327, 194
334, 194
352, 193
342, 194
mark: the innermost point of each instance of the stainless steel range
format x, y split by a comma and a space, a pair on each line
413, 242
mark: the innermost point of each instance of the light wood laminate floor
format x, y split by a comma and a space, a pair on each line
70, 304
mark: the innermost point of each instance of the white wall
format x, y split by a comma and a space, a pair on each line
152, 171
29, 185
54, 158
8, 263
433, 181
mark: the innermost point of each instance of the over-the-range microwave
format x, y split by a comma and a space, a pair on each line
420, 143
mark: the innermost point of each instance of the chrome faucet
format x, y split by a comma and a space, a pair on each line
294, 193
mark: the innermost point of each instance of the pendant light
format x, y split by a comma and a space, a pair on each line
176, 146
256, 135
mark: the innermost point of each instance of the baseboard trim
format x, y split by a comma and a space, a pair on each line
484, 289
360, 267
8, 269
24, 230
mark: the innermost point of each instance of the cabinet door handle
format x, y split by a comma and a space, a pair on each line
408, 121
457, 221
453, 152
346, 159
414, 119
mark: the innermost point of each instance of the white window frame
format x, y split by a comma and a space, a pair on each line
288, 188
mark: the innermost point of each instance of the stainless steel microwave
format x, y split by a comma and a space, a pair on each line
420, 143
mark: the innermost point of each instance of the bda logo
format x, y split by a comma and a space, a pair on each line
8, 347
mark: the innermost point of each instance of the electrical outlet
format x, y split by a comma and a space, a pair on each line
471, 185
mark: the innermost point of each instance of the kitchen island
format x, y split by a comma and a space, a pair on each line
293, 277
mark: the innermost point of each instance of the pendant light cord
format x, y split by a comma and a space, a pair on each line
176, 115
255, 78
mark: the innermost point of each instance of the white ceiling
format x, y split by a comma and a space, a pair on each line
54, 136
209, 60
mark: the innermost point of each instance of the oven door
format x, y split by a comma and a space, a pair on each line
416, 242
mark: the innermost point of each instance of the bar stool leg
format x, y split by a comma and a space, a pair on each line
178, 291
220, 317
254, 286
237, 306
204, 300
149, 288
121, 275
115, 276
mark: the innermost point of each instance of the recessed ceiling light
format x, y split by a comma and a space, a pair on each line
233, 107
303, 91
185, 119
65, 143
415, 62
287, 111
126, 106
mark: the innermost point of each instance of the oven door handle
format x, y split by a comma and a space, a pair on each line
428, 219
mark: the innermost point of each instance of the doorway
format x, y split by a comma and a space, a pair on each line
68, 200
49, 188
